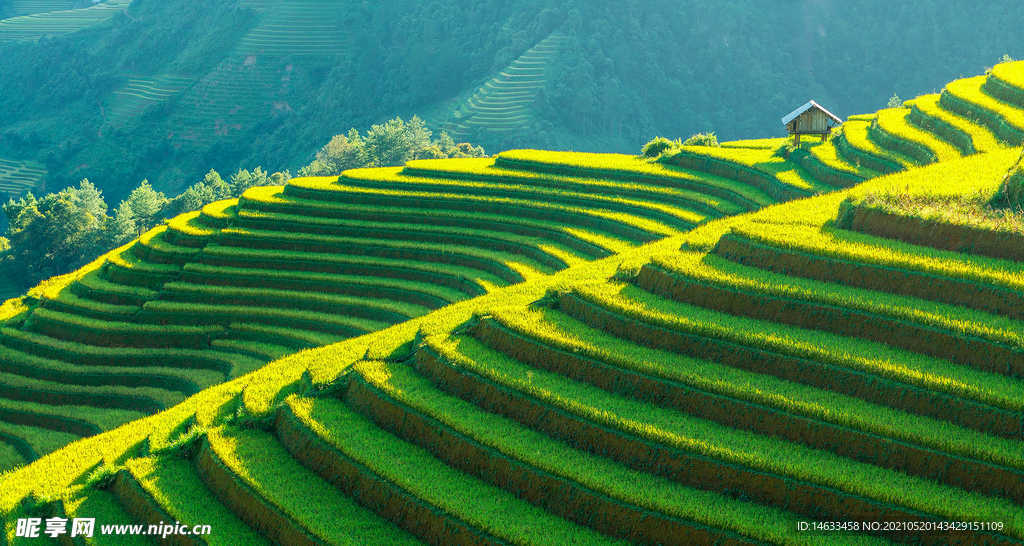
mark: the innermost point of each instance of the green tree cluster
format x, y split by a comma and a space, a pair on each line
58, 232
389, 144
63, 231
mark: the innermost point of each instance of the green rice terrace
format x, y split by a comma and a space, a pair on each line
17, 177
504, 102
51, 18
551, 348
141, 92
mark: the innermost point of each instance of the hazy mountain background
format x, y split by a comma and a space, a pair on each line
233, 94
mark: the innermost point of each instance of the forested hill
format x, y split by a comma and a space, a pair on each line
166, 90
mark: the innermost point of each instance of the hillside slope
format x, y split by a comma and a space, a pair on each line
702, 350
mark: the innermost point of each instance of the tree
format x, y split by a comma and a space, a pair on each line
243, 180
341, 153
146, 205
895, 101
388, 144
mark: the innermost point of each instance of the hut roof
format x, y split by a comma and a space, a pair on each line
793, 115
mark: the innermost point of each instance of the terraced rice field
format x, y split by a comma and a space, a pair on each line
52, 23
298, 28
140, 93
28, 7
503, 103
18, 177
542, 348
230, 99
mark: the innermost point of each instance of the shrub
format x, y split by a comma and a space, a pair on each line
702, 139
656, 147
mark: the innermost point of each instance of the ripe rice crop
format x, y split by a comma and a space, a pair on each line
870, 154
913, 141
962, 132
967, 97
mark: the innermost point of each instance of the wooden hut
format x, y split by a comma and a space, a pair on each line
811, 119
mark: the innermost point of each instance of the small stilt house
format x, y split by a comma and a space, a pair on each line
811, 119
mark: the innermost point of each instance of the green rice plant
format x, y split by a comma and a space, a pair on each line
912, 141
863, 151
764, 453
10, 458
393, 181
822, 161
506, 265
619, 224
485, 170
599, 474
69, 302
855, 247
978, 352
147, 400
967, 97
480, 505
203, 290
421, 293
540, 250
93, 286
192, 313
173, 484
102, 418
128, 260
42, 441
221, 213
828, 155
120, 334
198, 365
184, 380
964, 133
104, 507
467, 280
555, 329
851, 353
1006, 84
189, 230
266, 351
765, 161
713, 269
153, 246
276, 202
355, 306
628, 168
256, 461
